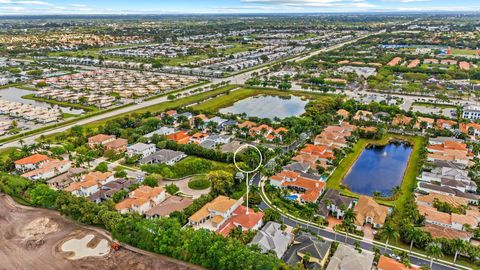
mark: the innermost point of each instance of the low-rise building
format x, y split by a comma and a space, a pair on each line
141, 149
306, 244
347, 258
90, 183
31, 162
307, 186
141, 200
165, 156
368, 211
48, 169
386, 263
118, 145
100, 139
272, 238
334, 203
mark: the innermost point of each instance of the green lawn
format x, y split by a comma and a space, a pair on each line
464, 52
199, 182
214, 104
409, 179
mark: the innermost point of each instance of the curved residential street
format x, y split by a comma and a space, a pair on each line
328, 233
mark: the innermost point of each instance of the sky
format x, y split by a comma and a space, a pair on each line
45, 7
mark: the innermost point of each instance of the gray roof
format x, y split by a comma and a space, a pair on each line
208, 144
139, 147
306, 243
297, 167
271, 237
231, 146
347, 258
161, 156
160, 131
217, 120
335, 198
445, 139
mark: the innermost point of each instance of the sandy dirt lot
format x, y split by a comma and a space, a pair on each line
30, 239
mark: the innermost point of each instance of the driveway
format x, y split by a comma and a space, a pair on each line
368, 231
182, 184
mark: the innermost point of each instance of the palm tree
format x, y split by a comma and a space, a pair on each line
434, 250
413, 234
459, 246
349, 215
388, 231
347, 225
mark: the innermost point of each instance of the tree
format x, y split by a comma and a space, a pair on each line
434, 250
271, 215
172, 189
120, 174
459, 246
42, 195
222, 181
387, 232
102, 167
152, 180
412, 234
119, 195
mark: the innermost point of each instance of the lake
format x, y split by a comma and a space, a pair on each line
16, 94
378, 168
268, 107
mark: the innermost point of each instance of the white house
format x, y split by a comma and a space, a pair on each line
142, 149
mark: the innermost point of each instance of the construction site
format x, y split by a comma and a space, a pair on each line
35, 238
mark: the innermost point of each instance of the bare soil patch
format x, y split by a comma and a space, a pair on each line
31, 239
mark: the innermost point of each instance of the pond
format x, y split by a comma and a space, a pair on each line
379, 169
16, 94
268, 107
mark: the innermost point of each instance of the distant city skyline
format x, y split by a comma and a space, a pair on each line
46, 7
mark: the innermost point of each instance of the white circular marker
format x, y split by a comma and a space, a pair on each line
247, 172
239, 150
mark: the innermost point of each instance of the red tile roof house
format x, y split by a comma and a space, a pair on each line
224, 214
181, 137
99, 139
118, 145
240, 219
321, 152
472, 129
49, 170
31, 162
446, 124
386, 263
90, 183
453, 221
309, 189
141, 200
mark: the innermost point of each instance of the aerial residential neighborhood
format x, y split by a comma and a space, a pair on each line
227, 135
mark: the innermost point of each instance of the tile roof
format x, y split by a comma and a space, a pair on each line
220, 204
33, 159
100, 138
368, 207
452, 200
386, 263
444, 232
240, 218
